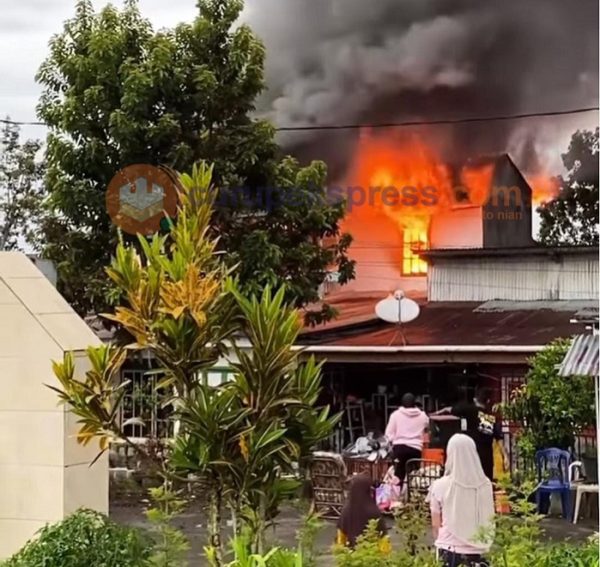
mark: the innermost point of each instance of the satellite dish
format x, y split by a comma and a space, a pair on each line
397, 309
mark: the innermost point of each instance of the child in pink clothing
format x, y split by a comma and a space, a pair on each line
405, 431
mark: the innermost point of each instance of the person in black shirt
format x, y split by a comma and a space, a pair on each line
479, 423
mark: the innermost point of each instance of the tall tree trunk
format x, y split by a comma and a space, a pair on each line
214, 522
261, 526
234, 507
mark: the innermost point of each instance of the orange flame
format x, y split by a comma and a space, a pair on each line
413, 169
543, 188
410, 168
422, 184
477, 181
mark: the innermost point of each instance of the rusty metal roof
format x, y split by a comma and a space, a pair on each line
454, 323
582, 357
434, 253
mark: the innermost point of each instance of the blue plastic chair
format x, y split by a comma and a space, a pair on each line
552, 467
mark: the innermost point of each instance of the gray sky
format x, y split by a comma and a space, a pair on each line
25, 28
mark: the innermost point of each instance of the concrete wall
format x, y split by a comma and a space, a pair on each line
44, 474
46, 267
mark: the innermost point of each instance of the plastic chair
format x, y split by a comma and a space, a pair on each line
581, 487
552, 467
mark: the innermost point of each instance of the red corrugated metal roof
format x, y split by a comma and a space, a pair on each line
353, 308
449, 323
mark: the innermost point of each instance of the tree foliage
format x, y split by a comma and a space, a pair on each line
21, 188
551, 408
116, 93
572, 216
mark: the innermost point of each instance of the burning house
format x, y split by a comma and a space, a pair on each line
410, 200
490, 297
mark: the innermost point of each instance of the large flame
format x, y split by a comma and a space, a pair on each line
414, 169
384, 164
407, 163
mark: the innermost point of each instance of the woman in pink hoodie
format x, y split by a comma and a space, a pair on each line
405, 431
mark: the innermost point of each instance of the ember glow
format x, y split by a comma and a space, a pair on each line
425, 187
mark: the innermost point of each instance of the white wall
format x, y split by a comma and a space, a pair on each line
458, 228
377, 250
520, 278
44, 474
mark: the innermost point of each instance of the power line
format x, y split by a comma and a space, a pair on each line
20, 123
405, 124
437, 122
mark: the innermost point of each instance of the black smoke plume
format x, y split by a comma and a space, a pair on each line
348, 61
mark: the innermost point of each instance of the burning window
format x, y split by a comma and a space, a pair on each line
413, 241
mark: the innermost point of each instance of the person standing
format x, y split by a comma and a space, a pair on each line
462, 507
405, 431
479, 423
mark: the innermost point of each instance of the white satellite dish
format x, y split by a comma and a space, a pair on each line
397, 309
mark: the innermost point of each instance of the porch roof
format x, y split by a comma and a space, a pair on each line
582, 357
510, 324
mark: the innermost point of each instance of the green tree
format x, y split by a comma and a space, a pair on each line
21, 188
572, 216
551, 408
116, 93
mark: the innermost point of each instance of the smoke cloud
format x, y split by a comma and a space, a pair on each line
349, 61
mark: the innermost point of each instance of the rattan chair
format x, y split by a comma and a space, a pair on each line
420, 475
329, 479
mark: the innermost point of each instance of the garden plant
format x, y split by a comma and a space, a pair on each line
238, 442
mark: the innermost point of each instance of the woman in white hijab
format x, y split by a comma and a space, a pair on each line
462, 507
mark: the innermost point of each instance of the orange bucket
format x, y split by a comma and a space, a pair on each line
435, 455
502, 502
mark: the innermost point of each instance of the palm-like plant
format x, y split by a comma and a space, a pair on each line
95, 400
279, 395
175, 304
242, 439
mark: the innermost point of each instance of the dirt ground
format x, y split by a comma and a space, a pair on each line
192, 522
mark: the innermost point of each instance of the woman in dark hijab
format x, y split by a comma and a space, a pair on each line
359, 510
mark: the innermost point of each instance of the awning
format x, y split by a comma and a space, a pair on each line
582, 357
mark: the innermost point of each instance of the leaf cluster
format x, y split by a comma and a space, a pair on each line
116, 92
553, 409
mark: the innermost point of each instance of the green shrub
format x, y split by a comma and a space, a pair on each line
84, 539
243, 556
373, 551
518, 538
170, 545
571, 555
554, 409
